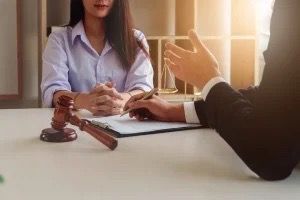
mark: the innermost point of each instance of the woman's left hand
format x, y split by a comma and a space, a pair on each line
108, 100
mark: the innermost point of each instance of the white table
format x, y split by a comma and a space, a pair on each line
194, 164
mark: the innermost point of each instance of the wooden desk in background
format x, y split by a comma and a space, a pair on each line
194, 164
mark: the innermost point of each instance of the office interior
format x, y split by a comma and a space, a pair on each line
236, 31
186, 164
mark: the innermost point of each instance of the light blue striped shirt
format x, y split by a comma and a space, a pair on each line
70, 63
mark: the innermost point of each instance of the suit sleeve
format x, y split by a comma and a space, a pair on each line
249, 93
261, 125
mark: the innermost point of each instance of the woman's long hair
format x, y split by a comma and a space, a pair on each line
119, 29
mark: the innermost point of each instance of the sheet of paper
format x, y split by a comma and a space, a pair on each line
126, 125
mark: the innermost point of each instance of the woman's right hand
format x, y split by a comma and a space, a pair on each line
103, 100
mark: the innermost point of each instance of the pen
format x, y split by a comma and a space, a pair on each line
147, 95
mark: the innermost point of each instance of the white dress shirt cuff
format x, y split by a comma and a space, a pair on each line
191, 116
209, 85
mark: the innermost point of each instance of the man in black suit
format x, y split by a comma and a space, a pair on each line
261, 124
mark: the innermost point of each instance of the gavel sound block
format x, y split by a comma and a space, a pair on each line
62, 116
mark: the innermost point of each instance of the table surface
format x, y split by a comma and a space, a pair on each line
195, 164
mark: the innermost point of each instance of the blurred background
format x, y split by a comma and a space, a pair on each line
236, 31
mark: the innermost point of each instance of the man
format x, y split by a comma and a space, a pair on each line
261, 124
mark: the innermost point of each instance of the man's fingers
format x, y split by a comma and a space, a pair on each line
132, 114
140, 114
140, 117
173, 67
176, 49
197, 43
133, 99
170, 64
173, 57
140, 104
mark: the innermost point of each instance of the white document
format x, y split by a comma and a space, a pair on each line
125, 125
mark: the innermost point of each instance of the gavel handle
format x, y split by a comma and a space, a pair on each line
101, 136
106, 139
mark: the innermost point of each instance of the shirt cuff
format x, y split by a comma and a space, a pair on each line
209, 85
191, 116
145, 88
49, 94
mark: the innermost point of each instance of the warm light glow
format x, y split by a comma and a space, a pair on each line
264, 10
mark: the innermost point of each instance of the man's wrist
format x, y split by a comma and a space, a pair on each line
210, 84
176, 113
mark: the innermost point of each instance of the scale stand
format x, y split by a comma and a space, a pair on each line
165, 89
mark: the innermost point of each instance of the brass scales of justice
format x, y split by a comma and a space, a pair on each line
167, 86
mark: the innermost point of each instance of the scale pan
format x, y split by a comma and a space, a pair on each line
167, 91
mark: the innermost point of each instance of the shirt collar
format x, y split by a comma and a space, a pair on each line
78, 30
107, 48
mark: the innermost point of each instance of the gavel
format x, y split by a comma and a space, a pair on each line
62, 116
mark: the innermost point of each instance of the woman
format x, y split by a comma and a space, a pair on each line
99, 60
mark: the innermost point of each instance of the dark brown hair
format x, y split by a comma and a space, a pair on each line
119, 29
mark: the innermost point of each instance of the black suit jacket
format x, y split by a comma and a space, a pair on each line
262, 124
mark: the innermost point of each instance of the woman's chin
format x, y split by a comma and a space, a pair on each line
101, 14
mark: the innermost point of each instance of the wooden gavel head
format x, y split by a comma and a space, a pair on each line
59, 133
62, 112
62, 116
